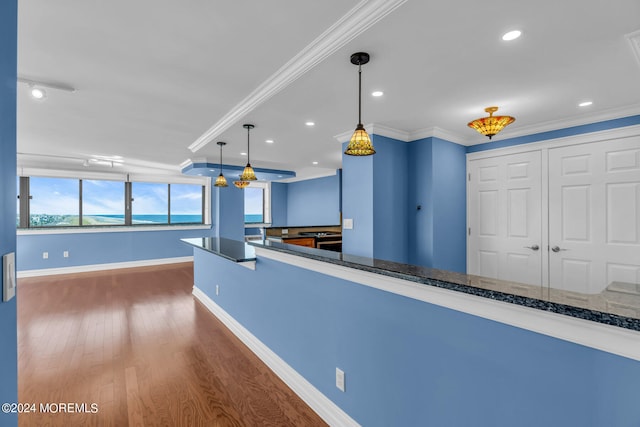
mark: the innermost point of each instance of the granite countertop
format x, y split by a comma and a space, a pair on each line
234, 250
617, 305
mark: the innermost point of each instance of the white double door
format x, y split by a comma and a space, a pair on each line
579, 205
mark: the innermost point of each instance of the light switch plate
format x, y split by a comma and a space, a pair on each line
8, 276
347, 223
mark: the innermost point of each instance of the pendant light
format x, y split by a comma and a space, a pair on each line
489, 126
248, 174
221, 181
360, 143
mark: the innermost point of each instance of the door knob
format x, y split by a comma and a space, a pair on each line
533, 247
558, 249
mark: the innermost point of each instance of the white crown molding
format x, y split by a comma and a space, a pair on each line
309, 173
331, 413
436, 132
376, 129
365, 14
634, 41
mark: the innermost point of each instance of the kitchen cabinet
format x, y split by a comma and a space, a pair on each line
309, 242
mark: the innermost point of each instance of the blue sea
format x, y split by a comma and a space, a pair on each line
253, 218
157, 219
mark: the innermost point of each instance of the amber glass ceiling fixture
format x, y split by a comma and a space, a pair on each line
248, 174
489, 126
360, 143
221, 181
241, 184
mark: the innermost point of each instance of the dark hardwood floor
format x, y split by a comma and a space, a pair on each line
137, 344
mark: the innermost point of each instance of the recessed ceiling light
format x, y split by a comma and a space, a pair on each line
269, 141
315, 163
310, 124
377, 93
243, 154
38, 93
585, 104
511, 35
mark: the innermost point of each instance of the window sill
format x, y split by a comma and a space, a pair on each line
110, 229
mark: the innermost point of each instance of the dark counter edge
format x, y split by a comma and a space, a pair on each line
553, 307
234, 247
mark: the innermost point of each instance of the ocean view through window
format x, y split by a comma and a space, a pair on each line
65, 202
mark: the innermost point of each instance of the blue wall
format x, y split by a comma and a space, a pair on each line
101, 248
420, 194
314, 201
279, 204
429, 173
227, 211
449, 202
410, 363
357, 204
390, 199
8, 326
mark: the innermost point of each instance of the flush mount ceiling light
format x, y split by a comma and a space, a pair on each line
241, 184
360, 143
221, 181
248, 174
489, 126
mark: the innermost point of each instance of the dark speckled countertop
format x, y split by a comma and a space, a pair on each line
233, 250
617, 305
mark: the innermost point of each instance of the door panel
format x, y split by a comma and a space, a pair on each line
505, 218
594, 215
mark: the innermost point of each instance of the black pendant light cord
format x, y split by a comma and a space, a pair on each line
220, 159
248, 147
359, 93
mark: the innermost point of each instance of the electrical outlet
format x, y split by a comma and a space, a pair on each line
65, 254
340, 379
45, 255
217, 290
347, 223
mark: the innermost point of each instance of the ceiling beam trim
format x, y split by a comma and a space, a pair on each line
364, 15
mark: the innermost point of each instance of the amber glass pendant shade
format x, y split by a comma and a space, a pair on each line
248, 174
221, 181
360, 144
241, 184
489, 126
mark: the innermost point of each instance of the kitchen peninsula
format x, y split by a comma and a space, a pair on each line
414, 342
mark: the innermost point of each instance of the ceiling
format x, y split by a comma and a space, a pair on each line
154, 78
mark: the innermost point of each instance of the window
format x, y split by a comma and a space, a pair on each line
187, 203
102, 202
253, 205
150, 203
66, 202
55, 202
257, 203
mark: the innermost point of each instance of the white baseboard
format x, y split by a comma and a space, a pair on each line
325, 408
98, 267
